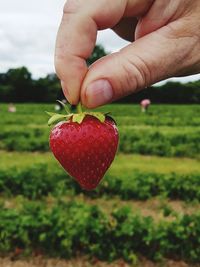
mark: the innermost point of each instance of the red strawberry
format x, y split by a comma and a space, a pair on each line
85, 146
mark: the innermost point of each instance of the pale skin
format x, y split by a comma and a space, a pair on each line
165, 42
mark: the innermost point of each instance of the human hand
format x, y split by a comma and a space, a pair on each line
165, 36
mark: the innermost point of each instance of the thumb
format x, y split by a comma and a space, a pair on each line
152, 58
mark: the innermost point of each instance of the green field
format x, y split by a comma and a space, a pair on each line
145, 209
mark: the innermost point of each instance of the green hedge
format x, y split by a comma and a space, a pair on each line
38, 181
35, 182
24, 139
132, 140
161, 143
142, 186
68, 229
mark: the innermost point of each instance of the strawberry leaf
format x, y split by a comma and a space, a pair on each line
56, 118
78, 117
51, 113
98, 115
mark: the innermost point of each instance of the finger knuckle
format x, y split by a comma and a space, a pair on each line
137, 73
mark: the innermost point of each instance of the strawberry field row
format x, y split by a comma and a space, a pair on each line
161, 143
38, 181
68, 229
141, 141
170, 115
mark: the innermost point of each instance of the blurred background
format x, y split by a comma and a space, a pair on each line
146, 210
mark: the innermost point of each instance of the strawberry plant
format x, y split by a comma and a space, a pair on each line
71, 229
40, 180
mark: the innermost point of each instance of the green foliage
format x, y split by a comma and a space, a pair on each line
20, 79
158, 115
141, 185
148, 141
17, 85
24, 139
167, 116
41, 180
97, 53
169, 93
32, 182
68, 229
151, 134
160, 142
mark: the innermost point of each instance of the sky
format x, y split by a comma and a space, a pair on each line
28, 32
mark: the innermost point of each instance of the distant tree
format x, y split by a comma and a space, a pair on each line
169, 93
97, 53
20, 79
193, 92
47, 89
3, 79
6, 93
17, 85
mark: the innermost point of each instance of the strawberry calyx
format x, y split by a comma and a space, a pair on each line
74, 117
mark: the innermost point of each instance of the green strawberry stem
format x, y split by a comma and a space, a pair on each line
79, 108
64, 106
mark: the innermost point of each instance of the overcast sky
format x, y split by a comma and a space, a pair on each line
28, 31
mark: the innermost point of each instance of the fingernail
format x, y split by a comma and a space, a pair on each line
98, 93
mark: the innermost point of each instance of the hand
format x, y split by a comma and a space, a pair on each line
165, 36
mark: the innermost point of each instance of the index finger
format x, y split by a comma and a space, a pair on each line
77, 37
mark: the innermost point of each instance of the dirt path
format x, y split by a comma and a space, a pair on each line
42, 262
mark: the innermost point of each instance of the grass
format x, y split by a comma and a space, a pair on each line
122, 163
129, 163
139, 127
169, 115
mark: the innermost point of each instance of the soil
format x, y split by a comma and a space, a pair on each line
81, 262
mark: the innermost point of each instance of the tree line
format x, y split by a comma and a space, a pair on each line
17, 85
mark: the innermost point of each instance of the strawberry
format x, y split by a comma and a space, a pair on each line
85, 145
